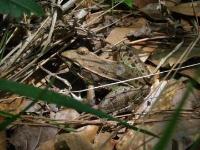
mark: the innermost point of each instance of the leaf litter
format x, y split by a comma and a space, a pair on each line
99, 37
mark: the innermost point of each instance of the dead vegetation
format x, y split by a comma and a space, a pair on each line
131, 63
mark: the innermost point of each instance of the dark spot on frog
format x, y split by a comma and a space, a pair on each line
130, 54
129, 59
148, 103
142, 71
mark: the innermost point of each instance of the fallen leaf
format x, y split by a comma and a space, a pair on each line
142, 3
14, 104
119, 33
66, 115
185, 134
48, 145
104, 141
162, 52
192, 73
172, 96
3, 140
94, 18
82, 139
89, 132
189, 9
156, 122
72, 141
29, 137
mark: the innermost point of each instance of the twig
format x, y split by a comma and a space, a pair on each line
68, 5
57, 77
12, 60
93, 20
163, 60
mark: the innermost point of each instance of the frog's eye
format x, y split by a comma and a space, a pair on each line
142, 71
82, 50
130, 54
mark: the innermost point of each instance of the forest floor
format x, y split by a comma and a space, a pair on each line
139, 65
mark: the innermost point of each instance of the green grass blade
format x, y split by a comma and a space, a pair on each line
29, 5
7, 122
61, 100
196, 144
6, 114
17, 7
127, 2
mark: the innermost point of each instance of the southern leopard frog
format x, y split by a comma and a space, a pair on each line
128, 65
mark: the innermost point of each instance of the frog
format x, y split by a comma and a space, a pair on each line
92, 63
127, 65
123, 99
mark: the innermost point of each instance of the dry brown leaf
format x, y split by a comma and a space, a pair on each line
132, 140
88, 132
186, 129
192, 73
48, 145
104, 141
66, 115
142, 3
14, 104
161, 53
29, 137
94, 18
186, 25
72, 141
186, 132
118, 34
187, 8
149, 48
3, 140
82, 139
172, 96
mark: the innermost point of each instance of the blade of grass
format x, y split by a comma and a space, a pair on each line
29, 5
6, 114
8, 121
127, 2
17, 7
11, 119
61, 100
196, 144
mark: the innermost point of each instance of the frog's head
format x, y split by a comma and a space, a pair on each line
70, 54
75, 54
